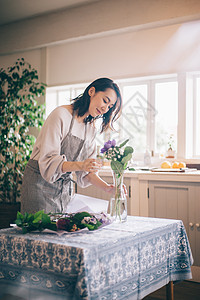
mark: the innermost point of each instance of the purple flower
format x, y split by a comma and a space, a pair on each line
103, 150
108, 145
93, 220
113, 143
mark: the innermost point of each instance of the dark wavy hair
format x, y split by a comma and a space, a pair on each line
82, 102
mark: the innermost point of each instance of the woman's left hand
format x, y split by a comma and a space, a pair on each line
111, 189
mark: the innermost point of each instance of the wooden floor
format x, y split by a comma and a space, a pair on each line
185, 290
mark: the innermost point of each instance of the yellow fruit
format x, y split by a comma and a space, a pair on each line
166, 165
182, 165
175, 165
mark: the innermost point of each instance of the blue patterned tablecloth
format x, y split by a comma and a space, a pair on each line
119, 261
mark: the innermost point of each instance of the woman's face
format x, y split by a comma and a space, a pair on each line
101, 102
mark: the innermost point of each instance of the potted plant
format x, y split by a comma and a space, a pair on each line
170, 150
19, 90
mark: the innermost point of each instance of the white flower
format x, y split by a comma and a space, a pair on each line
85, 220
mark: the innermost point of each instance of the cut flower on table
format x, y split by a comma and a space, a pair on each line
60, 221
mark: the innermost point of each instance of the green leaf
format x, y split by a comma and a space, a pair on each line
51, 226
18, 222
30, 218
26, 216
19, 111
81, 215
38, 213
45, 219
90, 226
38, 218
117, 167
128, 150
126, 158
124, 143
20, 216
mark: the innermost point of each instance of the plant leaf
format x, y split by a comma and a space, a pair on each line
117, 167
124, 143
45, 219
126, 158
128, 150
20, 216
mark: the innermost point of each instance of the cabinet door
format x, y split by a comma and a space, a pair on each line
169, 200
196, 227
178, 200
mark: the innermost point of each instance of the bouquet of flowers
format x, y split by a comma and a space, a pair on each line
58, 221
119, 157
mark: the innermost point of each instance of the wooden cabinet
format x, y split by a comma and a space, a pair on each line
178, 200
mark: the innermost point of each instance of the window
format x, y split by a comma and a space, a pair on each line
61, 95
166, 119
151, 113
197, 117
133, 124
192, 115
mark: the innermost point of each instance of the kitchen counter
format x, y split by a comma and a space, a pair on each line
188, 176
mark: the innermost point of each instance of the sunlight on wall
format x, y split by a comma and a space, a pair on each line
181, 49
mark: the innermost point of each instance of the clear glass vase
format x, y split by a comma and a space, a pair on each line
118, 203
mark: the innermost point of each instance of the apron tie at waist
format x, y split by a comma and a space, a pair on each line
66, 189
66, 179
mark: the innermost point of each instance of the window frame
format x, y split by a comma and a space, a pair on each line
186, 94
191, 114
150, 82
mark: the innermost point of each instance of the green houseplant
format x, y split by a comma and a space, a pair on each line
19, 91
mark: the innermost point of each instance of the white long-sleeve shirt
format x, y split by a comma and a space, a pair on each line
48, 144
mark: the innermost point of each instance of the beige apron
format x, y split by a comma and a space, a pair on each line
38, 194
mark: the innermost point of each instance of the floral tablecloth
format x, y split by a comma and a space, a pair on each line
119, 261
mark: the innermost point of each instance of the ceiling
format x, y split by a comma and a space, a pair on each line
16, 10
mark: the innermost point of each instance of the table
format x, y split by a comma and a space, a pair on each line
118, 261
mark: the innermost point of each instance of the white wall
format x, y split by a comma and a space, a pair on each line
94, 18
161, 50
115, 38
34, 57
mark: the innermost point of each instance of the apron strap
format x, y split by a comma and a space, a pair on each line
72, 122
71, 125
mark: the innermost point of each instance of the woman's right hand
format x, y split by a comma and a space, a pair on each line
91, 165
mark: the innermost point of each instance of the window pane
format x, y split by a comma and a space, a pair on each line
63, 97
133, 122
166, 120
197, 138
51, 101
77, 92
57, 96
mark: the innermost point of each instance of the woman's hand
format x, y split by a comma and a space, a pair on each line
91, 165
110, 188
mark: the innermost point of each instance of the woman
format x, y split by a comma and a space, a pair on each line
66, 144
